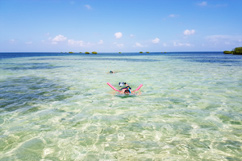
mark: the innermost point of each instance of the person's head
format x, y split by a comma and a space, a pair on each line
111, 71
126, 91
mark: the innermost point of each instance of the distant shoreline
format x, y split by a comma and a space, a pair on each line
109, 52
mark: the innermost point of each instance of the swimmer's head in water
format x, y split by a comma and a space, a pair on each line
126, 91
111, 71
121, 84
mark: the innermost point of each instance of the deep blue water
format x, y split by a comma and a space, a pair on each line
201, 57
29, 54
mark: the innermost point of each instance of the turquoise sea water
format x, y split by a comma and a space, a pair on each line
59, 106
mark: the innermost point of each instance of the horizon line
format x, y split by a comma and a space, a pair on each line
100, 52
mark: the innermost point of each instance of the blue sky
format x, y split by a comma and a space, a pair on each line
119, 25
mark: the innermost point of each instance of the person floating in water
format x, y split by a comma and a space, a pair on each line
111, 72
126, 89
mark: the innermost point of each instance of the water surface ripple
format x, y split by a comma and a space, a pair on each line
59, 107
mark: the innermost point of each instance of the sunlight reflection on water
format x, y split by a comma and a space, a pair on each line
187, 110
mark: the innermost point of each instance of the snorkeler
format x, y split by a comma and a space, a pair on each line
126, 89
111, 72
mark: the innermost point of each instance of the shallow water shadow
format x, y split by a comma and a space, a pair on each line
125, 95
30, 66
28, 91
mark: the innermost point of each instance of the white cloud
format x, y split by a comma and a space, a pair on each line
173, 15
178, 44
189, 32
100, 42
118, 45
118, 35
29, 42
88, 7
156, 41
204, 3
12, 41
219, 37
225, 39
138, 45
131, 35
216, 38
75, 43
59, 38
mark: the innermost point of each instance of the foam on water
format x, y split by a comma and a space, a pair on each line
60, 108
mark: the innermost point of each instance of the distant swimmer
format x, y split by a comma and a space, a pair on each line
111, 72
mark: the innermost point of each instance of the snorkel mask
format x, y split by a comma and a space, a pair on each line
121, 84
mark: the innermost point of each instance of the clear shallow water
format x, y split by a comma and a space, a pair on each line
59, 107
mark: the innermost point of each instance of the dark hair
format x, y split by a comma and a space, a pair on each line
126, 91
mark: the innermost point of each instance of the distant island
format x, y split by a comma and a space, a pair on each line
236, 51
94, 52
